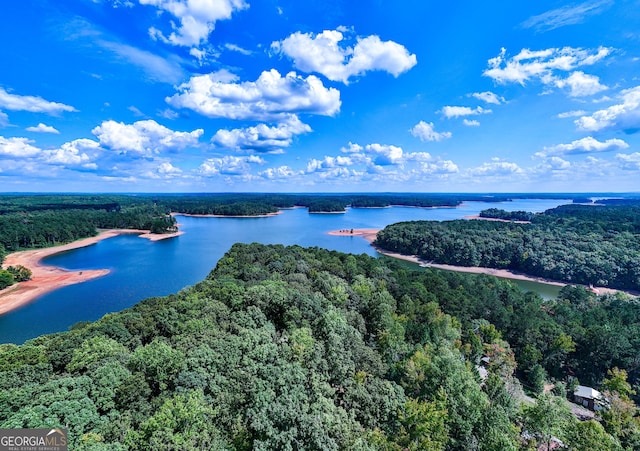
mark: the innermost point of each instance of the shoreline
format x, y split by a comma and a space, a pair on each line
47, 278
193, 215
481, 218
370, 236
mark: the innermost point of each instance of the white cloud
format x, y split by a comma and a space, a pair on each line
541, 65
328, 163
496, 167
322, 53
385, 154
459, 111
352, 148
629, 161
228, 165
575, 113
557, 164
623, 116
32, 104
4, 119
378, 155
270, 97
17, 147
197, 18
425, 132
237, 48
279, 173
168, 113
168, 168
581, 84
471, 122
72, 153
585, 145
488, 97
144, 137
42, 128
566, 15
439, 167
262, 138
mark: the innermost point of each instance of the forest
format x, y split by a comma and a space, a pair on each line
597, 245
284, 348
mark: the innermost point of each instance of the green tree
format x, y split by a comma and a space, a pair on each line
184, 422
20, 273
423, 424
6, 279
590, 435
549, 417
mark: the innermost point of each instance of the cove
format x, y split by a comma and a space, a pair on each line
141, 268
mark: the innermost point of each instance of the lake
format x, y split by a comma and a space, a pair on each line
141, 268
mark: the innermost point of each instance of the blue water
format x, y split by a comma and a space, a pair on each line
141, 268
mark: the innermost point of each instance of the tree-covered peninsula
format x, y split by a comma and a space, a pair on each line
597, 245
292, 348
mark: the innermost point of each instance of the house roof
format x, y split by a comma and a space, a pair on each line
587, 392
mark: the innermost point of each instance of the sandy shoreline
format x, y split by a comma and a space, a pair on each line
481, 218
370, 236
47, 278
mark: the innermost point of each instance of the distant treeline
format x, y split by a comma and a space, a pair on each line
290, 348
573, 243
41, 220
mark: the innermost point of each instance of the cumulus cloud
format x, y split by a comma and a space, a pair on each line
581, 84
459, 111
42, 128
270, 97
471, 122
323, 54
17, 147
164, 170
380, 155
439, 167
585, 145
556, 163
541, 65
32, 104
262, 138
279, 173
197, 18
496, 167
566, 15
144, 137
385, 154
328, 163
352, 148
488, 97
4, 119
425, 132
229, 165
72, 153
622, 116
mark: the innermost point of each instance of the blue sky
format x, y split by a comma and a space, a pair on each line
319, 96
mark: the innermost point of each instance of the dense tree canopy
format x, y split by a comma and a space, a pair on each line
597, 245
285, 348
